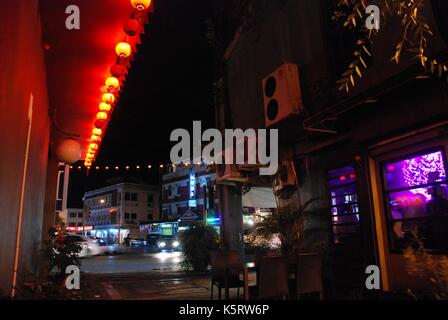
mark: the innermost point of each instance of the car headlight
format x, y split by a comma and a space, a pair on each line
175, 244
162, 244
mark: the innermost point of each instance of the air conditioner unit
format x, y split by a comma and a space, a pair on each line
229, 174
282, 94
285, 177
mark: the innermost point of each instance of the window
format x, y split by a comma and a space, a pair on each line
150, 216
343, 204
133, 196
127, 196
80, 224
72, 214
150, 198
72, 224
416, 199
133, 216
80, 214
126, 216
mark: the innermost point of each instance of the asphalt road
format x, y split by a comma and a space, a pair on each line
132, 262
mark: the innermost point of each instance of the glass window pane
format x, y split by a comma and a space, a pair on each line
415, 171
345, 209
353, 218
342, 195
343, 204
341, 176
419, 202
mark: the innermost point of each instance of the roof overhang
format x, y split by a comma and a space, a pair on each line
79, 60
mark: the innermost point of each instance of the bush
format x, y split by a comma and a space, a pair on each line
197, 242
61, 252
432, 270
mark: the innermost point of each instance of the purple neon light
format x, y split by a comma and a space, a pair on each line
418, 170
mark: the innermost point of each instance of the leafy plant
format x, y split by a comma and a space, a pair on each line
197, 243
61, 252
415, 34
288, 225
433, 270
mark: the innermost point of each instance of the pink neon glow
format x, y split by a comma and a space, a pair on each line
416, 171
390, 167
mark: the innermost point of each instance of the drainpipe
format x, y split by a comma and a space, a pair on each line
22, 198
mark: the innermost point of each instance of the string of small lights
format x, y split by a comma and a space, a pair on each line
135, 167
124, 50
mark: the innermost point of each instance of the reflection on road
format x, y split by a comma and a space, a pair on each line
132, 262
163, 256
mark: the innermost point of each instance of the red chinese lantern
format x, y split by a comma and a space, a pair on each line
93, 146
95, 138
90, 155
123, 49
97, 131
99, 124
131, 27
112, 83
117, 70
141, 4
108, 98
104, 107
101, 115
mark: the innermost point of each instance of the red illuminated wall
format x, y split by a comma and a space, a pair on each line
22, 74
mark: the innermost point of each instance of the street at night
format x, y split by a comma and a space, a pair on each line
133, 262
223, 158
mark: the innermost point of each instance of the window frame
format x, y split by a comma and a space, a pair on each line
330, 206
385, 193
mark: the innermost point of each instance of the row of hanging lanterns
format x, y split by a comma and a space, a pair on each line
132, 27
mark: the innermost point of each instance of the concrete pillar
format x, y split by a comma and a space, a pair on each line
232, 218
50, 197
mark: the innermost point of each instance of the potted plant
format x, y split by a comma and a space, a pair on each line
197, 243
287, 224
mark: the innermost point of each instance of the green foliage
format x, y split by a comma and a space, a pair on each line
433, 270
197, 243
414, 38
288, 225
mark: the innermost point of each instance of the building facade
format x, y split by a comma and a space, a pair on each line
116, 212
374, 158
189, 192
74, 219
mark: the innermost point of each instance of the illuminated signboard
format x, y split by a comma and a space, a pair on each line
192, 202
79, 229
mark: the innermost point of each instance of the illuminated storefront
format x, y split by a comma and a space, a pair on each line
415, 197
109, 235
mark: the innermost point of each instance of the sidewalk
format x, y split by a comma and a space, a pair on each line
157, 285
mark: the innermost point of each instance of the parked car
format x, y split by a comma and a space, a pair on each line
93, 246
169, 243
137, 242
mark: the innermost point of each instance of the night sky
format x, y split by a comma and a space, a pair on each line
168, 86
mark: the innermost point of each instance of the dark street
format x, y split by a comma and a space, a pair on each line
132, 262
224, 149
